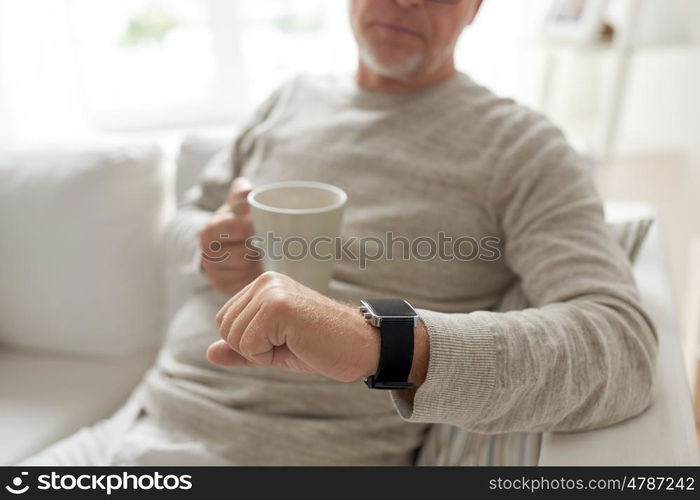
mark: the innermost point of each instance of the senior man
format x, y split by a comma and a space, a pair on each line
259, 369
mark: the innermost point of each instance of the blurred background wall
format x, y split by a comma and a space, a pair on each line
71, 67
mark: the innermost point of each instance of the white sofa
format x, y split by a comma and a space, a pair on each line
83, 304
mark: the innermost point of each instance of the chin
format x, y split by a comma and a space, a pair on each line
391, 64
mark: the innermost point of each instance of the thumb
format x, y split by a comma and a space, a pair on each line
237, 195
219, 353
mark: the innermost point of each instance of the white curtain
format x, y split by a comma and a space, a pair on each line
40, 95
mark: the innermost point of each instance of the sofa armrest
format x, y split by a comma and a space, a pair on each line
665, 433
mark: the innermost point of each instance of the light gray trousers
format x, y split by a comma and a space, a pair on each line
129, 437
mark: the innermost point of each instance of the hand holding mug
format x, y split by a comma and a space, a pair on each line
222, 241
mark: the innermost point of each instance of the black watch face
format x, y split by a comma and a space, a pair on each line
390, 307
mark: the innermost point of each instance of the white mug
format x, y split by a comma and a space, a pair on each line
296, 223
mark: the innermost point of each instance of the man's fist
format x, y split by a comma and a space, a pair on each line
276, 321
222, 241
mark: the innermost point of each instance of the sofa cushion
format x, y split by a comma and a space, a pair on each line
196, 150
80, 247
45, 398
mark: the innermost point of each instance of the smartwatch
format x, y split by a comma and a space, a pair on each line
396, 320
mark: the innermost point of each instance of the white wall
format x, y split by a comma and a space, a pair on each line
41, 95
662, 104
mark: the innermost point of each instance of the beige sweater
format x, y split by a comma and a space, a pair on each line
454, 159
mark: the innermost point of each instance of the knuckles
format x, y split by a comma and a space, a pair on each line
275, 292
277, 302
246, 347
271, 277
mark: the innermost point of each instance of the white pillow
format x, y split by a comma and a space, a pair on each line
80, 249
195, 152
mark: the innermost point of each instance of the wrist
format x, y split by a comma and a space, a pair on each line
421, 352
421, 355
372, 348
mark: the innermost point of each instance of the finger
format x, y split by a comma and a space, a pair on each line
230, 286
219, 353
230, 228
214, 255
240, 187
240, 299
232, 281
234, 256
224, 309
232, 308
239, 258
234, 325
286, 359
252, 335
227, 265
238, 207
241, 207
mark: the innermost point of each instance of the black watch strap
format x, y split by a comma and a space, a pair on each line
396, 355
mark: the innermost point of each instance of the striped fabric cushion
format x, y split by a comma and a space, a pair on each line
450, 445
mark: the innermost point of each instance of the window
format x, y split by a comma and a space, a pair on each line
155, 62
167, 62
84, 66
282, 37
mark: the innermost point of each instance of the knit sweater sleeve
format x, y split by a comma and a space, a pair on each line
583, 355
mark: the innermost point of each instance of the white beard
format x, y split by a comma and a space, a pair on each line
396, 69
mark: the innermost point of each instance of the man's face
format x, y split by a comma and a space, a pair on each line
402, 38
